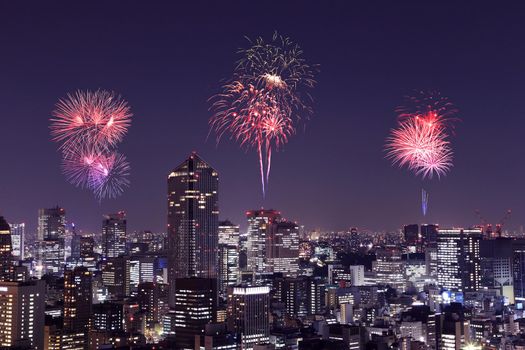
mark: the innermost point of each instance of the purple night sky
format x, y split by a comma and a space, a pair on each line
167, 59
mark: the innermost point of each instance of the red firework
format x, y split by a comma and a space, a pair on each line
255, 120
98, 118
421, 140
259, 105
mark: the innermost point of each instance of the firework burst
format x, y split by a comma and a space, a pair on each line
266, 96
420, 146
87, 126
420, 142
98, 118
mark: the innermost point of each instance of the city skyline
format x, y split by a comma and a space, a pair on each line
369, 56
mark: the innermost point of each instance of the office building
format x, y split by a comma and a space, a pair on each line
22, 314
78, 298
18, 240
51, 240
114, 235
458, 259
195, 307
282, 248
248, 315
6, 267
258, 222
193, 212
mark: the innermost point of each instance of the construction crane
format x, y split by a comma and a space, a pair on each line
487, 227
502, 221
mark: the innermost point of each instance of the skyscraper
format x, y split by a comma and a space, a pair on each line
248, 315
51, 223
258, 221
193, 218
282, 248
228, 256
195, 307
458, 259
17, 240
6, 270
51, 235
22, 314
77, 299
114, 235
411, 234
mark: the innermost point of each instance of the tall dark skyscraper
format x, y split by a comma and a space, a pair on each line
114, 235
193, 220
6, 271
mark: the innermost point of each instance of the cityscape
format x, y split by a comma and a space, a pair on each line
295, 176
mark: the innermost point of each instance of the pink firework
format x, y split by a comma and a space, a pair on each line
110, 176
105, 173
99, 118
267, 95
420, 141
421, 146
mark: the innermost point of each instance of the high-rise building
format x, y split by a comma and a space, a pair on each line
78, 298
18, 239
248, 315
193, 219
114, 235
411, 234
116, 276
51, 223
195, 307
282, 248
6, 267
258, 222
229, 249
293, 292
354, 239
228, 267
228, 233
22, 314
389, 268
51, 236
357, 275
148, 299
458, 259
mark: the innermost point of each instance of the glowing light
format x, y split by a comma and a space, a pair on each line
88, 125
260, 105
420, 142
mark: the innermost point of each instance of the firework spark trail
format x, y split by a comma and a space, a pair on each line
260, 105
424, 201
87, 126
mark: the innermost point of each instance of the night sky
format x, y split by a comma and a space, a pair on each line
167, 59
